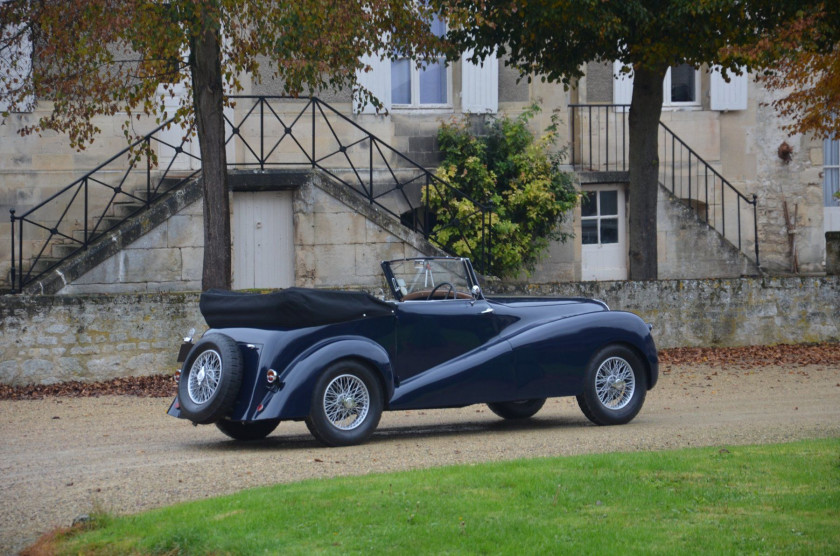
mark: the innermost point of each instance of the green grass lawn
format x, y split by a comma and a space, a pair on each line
755, 499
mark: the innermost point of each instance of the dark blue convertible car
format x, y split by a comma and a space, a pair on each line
339, 359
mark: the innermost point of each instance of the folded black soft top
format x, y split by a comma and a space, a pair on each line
289, 308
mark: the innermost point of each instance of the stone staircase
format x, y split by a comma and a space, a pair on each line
126, 221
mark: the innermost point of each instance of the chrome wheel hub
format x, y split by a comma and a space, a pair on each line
615, 383
205, 374
346, 402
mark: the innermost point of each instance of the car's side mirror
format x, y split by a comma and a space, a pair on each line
476, 292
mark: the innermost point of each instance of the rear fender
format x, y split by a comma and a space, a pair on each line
292, 398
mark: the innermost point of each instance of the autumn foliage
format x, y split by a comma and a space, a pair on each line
107, 58
802, 64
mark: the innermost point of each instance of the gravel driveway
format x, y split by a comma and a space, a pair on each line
62, 457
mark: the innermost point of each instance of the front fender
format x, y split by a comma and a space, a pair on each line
292, 397
551, 358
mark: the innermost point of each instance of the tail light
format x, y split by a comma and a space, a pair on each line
271, 376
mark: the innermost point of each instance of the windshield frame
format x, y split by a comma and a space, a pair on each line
424, 269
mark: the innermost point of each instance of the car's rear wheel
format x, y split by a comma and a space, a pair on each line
615, 385
254, 430
517, 410
346, 404
210, 379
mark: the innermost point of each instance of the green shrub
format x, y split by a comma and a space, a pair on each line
514, 176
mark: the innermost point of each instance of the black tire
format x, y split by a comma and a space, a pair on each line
614, 387
517, 410
210, 379
254, 430
346, 404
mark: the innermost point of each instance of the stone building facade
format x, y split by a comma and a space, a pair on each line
325, 237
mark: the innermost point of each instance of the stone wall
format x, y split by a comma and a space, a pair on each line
688, 248
47, 339
720, 312
168, 258
750, 157
341, 239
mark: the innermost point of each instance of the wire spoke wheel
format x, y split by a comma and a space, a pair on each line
204, 376
615, 383
614, 386
210, 379
346, 402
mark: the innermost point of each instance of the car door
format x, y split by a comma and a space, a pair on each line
429, 333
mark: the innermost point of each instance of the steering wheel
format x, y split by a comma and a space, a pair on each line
436, 288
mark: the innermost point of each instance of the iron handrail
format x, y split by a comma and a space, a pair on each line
412, 192
95, 223
58, 216
599, 142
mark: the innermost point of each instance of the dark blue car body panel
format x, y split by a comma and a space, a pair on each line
439, 353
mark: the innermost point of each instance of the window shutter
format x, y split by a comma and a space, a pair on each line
622, 85
15, 65
377, 81
479, 85
728, 96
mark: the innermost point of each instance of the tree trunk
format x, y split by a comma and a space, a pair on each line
208, 99
645, 110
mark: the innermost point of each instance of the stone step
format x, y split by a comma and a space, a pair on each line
124, 209
42, 264
64, 250
105, 225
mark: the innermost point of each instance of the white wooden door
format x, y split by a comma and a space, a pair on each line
603, 233
263, 240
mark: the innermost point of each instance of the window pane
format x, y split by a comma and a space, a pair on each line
609, 202
682, 83
589, 232
831, 184
609, 230
831, 152
438, 26
433, 84
401, 81
831, 172
588, 206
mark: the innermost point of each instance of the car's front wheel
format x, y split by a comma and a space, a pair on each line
517, 410
254, 430
346, 404
614, 388
210, 379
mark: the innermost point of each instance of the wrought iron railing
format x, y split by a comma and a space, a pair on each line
77, 215
263, 133
600, 143
284, 132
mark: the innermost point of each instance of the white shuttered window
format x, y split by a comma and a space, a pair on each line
377, 81
728, 96
479, 85
681, 88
